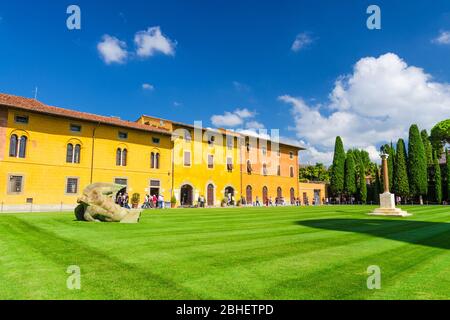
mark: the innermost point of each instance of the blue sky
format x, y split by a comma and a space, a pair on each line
235, 60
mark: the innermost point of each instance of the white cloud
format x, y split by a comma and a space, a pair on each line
148, 86
152, 41
112, 50
443, 38
301, 41
244, 113
232, 119
375, 104
254, 125
177, 104
227, 120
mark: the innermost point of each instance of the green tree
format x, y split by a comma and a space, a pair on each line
427, 146
417, 164
350, 175
437, 180
362, 190
377, 185
318, 172
401, 183
447, 157
338, 168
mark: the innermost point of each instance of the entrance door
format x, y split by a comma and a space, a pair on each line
249, 196
317, 197
210, 195
265, 195
229, 193
186, 195
292, 196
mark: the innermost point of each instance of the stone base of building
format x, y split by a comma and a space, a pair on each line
387, 207
25, 208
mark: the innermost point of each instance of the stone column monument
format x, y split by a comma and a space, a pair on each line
387, 199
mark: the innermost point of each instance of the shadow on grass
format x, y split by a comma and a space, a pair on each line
431, 234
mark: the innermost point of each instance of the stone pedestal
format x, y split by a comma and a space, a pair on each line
387, 207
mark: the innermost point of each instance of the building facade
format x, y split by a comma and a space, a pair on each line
48, 155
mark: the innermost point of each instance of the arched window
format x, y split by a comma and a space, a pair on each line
73, 155
118, 157
124, 157
69, 153
154, 160
292, 196
13, 144
23, 146
18, 147
77, 155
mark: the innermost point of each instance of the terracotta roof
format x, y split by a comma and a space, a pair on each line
37, 106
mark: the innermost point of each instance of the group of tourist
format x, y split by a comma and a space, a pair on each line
123, 200
153, 202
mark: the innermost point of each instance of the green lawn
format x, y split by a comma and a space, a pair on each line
252, 253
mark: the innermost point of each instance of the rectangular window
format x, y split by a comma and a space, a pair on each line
230, 143
21, 119
155, 183
123, 135
121, 181
75, 128
72, 186
187, 158
279, 171
229, 164
15, 184
264, 151
210, 161
291, 155
156, 140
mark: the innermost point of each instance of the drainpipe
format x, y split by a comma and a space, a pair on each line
173, 171
92, 155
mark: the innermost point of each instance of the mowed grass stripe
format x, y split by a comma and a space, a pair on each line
250, 253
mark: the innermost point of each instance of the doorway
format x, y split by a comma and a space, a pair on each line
210, 195
186, 195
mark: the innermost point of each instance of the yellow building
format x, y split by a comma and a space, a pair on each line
313, 193
49, 154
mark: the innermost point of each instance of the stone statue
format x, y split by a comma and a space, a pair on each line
97, 204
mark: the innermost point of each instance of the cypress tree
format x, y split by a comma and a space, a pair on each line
417, 164
338, 168
447, 157
401, 184
437, 180
362, 183
428, 147
350, 175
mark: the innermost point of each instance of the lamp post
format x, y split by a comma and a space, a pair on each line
387, 199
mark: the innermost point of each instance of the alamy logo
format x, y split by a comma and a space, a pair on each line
374, 20
73, 22
374, 279
74, 280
